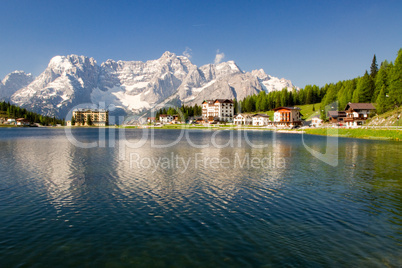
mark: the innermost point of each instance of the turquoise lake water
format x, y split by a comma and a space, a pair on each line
197, 198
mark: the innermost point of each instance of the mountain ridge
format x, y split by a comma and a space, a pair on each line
136, 86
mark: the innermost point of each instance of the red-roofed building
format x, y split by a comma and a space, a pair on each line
357, 113
287, 116
151, 119
22, 122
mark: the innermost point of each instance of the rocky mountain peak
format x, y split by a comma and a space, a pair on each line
67, 64
260, 74
13, 82
136, 86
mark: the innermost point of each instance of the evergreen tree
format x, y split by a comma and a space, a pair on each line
309, 94
381, 101
374, 67
355, 97
381, 80
331, 96
89, 120
73, 120
295, 99
284, 97
235, 106
250, 105
365, 88
264, 104
395, 82
323, 116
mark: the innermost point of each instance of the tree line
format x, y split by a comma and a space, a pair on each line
267, 101
382, 86
186, 111
13, 111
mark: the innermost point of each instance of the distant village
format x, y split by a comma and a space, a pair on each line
221, 111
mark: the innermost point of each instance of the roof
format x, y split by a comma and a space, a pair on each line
261, 115
360, 106
223, 101
287, 108
244, 115
335, 114
89, 110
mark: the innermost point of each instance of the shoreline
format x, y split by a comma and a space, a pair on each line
358, 133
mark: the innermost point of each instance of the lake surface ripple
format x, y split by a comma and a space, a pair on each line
223, 204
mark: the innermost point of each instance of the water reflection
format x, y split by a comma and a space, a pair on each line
198, 205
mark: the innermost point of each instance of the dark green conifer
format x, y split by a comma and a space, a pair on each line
374, 67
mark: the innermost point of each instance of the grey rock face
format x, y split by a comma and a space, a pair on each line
135, 86
12, 83
67, 81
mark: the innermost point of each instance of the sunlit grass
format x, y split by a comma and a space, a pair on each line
363, 133
307, 110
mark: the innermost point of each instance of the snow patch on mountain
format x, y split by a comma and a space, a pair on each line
271, 83
13, 82
136, 86
120, 98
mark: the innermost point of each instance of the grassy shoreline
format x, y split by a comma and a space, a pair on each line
360, 133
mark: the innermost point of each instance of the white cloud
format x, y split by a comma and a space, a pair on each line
187, 52
219, 57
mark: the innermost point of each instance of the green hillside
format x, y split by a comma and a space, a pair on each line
387, 119
308, 110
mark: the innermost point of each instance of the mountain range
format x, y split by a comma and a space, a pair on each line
131, 86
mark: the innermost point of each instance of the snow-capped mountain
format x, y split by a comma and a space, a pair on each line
66, 82
271, 83
136, 86
13, 82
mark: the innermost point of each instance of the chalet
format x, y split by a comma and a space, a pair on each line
316, 121
243, 119
195, 120
287, 117
151, 120
357, 113
11, 121
336, 117
176, 119
218, 110
261, 120
165, 118
22, 122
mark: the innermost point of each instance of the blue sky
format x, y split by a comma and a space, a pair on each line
308, 42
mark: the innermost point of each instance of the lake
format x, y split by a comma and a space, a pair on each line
196, 198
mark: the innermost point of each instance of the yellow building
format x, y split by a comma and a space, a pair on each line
87, 116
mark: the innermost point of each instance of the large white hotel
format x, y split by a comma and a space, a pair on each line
218, 110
